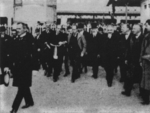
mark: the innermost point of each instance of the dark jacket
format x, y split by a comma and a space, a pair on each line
145, 83
6, 51
109, 53
77, 44
123, 45
23, 49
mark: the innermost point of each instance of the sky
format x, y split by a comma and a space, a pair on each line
63, 5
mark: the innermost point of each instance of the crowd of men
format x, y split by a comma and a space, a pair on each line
125, 46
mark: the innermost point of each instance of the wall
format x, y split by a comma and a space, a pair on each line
145, 10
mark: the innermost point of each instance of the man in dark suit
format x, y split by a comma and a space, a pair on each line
58, 51
93, 44
77, 48
145, 61
46, 37
122, 49
65, 36
134, 70
109, 53
22, 73
6, 53
37, 49
66, 61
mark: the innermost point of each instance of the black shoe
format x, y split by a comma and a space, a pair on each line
73, 80
125, 93
85, 70
27, 106
95, 77
121, 80
55, 80
66, 74
145, 103
109, 84
13, 111
45, 73
49, 75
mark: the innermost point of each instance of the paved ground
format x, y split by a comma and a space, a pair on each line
86, 95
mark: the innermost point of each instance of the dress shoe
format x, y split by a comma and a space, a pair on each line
125, 93
55, 80
109, 84
27, 106
95, 77
73, 80
121, 80
66, 74
145, 103
13, 111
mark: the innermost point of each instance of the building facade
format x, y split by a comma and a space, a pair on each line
145, 10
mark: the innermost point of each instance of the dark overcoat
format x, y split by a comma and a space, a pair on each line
145, 83
109, 52
22, 73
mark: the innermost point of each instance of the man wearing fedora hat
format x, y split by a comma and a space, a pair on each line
93, 49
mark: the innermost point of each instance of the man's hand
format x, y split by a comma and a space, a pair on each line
47, 45
82, 54
38, 49
6, 69
140, 64
126, 61
61, 43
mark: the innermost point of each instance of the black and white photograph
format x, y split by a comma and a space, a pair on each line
74, 56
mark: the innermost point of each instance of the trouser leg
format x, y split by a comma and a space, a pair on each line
145, 95
128, 84
109, 75
95, 70
27, 96
66, 64
18, 98
57, 68
123, 71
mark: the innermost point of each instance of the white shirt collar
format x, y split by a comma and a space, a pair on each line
137, 36
22, 35
127, 35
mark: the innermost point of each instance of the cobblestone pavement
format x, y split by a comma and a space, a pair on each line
86, 95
